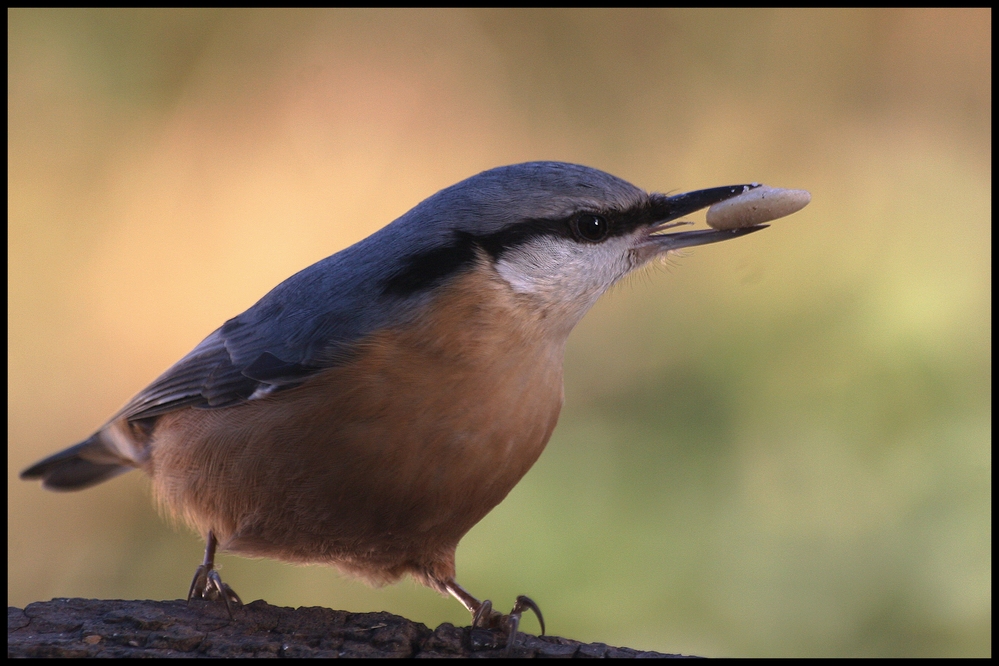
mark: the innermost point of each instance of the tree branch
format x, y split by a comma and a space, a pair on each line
114, 628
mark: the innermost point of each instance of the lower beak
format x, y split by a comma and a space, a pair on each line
682, 239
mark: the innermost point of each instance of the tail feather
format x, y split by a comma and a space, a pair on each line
86, 464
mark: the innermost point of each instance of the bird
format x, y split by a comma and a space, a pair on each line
368, 411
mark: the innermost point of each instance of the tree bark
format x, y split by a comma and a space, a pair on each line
114, 628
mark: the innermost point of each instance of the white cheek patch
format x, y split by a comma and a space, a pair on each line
562, 272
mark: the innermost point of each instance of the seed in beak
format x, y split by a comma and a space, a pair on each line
756, 206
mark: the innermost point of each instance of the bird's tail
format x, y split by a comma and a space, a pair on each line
104, 455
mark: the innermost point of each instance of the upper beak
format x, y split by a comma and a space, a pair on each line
689, 202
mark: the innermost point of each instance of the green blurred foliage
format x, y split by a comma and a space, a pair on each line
778, 446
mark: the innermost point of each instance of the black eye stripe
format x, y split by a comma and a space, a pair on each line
423, 270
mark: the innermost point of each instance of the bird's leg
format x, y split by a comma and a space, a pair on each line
207, 583
484, 617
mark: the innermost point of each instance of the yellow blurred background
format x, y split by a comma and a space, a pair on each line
776, 446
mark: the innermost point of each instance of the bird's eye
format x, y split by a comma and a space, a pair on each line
591, 227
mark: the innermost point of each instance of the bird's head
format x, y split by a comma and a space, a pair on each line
557, 234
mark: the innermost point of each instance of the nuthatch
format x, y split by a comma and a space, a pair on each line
372, 408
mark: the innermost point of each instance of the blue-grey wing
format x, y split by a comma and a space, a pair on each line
307, 323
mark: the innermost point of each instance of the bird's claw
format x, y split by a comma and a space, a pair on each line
208, 585
487, 618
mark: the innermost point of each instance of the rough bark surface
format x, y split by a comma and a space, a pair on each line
114, 628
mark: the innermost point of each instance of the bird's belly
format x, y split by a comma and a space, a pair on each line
390, 458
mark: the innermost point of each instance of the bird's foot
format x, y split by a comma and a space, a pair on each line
485, 617
207, 583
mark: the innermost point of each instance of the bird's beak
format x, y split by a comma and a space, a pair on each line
689, 202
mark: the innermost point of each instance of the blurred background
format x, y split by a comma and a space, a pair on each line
777, 446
